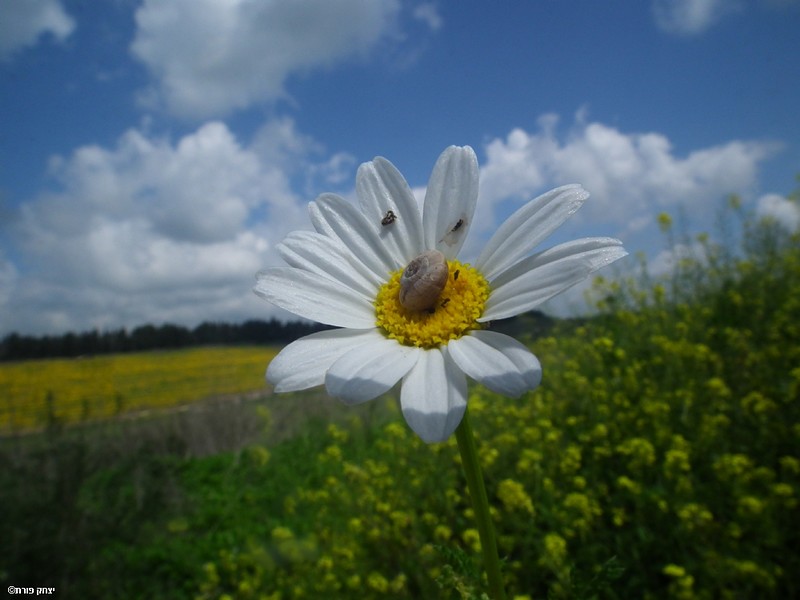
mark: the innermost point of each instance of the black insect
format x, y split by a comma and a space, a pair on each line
388, 218
455, 275
452, 237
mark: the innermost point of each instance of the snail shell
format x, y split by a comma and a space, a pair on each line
422, 282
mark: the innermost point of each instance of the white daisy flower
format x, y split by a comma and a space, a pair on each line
411, 315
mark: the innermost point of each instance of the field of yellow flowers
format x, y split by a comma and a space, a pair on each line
37, 393
660, 458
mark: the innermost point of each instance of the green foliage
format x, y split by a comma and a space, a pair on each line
659, 459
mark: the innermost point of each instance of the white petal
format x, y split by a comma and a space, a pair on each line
315, 297
325, 256
335, 217
381, 188
528, 226
497, 361
370, 369
537, 278
450, 200
303, 363
434, 396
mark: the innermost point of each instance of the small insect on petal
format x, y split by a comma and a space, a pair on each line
454, 234
388, 218
422, 282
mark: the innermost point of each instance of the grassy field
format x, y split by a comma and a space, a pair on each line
35, 394
660, 458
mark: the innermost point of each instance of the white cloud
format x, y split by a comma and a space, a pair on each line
8, 280
150, 230
782, 210
200, 190
428, 14
23, 21
667, 261
631, 176
278, 143
213, 56
689, 17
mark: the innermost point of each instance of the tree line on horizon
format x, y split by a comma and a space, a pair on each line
153, 337
16, 346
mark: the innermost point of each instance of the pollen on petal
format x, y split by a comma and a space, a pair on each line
460, 304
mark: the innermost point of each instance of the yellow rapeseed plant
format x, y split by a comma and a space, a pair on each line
37, 393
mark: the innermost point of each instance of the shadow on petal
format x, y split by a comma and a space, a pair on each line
434, 427
355, 390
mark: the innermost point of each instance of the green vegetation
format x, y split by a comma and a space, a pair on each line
659, 459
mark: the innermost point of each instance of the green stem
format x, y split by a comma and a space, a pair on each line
480, 503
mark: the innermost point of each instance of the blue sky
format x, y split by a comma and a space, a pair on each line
152, 154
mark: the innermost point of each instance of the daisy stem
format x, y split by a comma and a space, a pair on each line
480, 504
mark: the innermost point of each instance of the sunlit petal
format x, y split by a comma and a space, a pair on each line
390, 207
533, 280
528, 227
315, 297
450, 200
324, 256
335, 217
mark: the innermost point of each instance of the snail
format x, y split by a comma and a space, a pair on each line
422, 282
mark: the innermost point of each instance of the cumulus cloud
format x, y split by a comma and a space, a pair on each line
689, 17
667, 261
199, 190
152, 230
631, 176
22, 22
210, 57
783, 211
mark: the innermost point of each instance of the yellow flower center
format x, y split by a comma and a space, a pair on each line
456, 312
